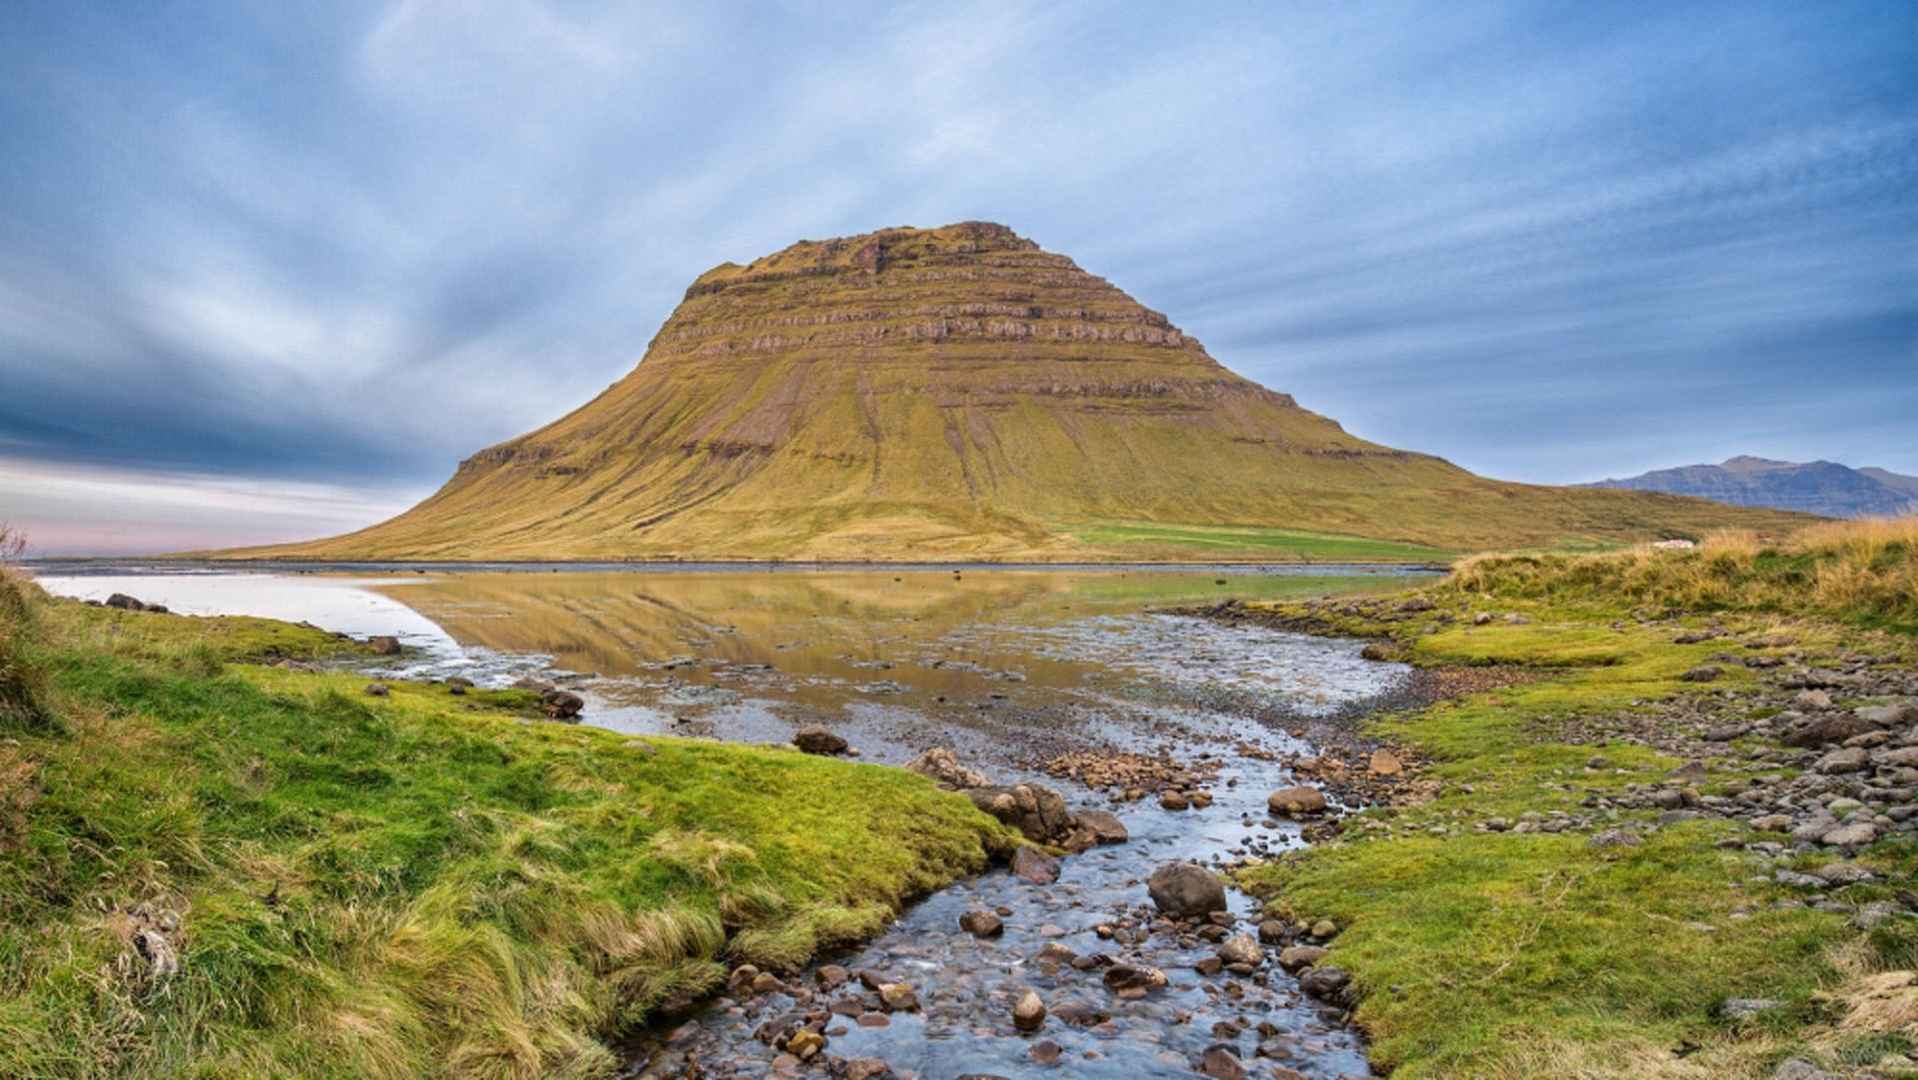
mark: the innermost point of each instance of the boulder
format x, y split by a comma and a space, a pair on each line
1035, 866
376, 689
1827, 728
1242, 949
818, 740
1299, 957
1120, 978
1034, 809
898, 997
1326, 983
561, 704
1897, 714
1296, 801
1386, 763
981, 923
943, 766
1103, 826
124, 602
1186, 890
1220, 1063
1851, 759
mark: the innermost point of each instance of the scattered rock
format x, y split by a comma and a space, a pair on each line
1103, 826
1242, 949
1035, 866
818, 740
1029, 1014
1034, 809
1299, 957
1296, 801
942, 765
1220, 1063
899, 997
561, 704
384, 645
1327, 983
124, 602
1702, 673
1186, 890
1386, 763
982, 924
375, 689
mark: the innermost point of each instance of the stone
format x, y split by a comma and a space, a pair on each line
1325, 929
1045, 1052
1385, 763
1325, 982
818, 740
1702, 673
1296, 801
805, 1044
941, 764
1242, 949
1746, 1008
982, 924
1875, 914
124, 602
1122, 977
1850, 835
1220, 1063
384, 645
1800, 1069
1898, 714
1173, 800
458, 685
1186, 890
1772, 823
1035, 866
1029, 1014
1850, 759
1272, 932
1612, 838
868, 1069
1299, 957
375, 689
1104, 826
899, 997
1034, 809
1829, 728
561, 704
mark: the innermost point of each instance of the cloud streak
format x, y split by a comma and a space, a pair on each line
347, 244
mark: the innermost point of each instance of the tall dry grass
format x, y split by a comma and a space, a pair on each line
1865, 571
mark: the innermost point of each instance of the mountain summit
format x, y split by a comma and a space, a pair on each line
957, 393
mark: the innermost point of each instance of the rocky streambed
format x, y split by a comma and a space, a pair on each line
1127, 956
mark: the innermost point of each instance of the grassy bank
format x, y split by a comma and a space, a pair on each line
210, 867
1487, 931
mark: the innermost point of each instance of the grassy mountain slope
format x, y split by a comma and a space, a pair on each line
958, 393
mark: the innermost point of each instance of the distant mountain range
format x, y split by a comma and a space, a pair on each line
1814, 487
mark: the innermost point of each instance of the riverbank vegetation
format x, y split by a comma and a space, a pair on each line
1552, 911
214, 867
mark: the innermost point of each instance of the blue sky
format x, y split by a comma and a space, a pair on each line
270, 270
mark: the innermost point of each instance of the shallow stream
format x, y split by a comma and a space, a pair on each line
1010, 668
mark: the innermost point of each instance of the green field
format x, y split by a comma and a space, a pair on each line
1255, 542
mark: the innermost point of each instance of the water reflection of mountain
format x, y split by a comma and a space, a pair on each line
824, 623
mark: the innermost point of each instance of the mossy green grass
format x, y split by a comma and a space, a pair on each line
1505, 954
420, 884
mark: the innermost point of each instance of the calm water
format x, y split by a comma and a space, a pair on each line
1009, 667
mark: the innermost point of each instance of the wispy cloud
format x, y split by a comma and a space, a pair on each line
349, 243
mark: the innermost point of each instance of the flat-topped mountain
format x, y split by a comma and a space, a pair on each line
1816, 487
958, 393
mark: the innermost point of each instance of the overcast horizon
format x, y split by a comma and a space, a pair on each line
270, 272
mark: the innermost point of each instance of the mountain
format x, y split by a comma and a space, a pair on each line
1816, 487
958, 393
